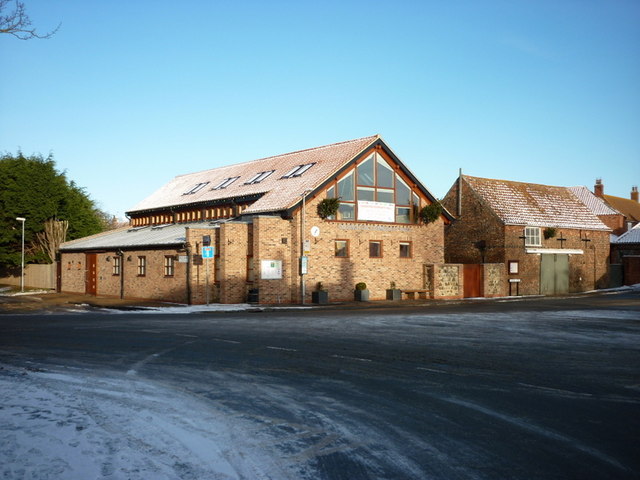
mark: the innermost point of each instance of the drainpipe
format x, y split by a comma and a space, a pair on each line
187, 247
120, 253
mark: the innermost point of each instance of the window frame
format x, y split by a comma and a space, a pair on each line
380, 250
346, 248
169, 265
298, 170
142, 266
225, 183
409, 245
258, 177
117, 266
532, 234
196, 188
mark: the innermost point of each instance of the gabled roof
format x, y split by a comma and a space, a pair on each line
630, 236
629, 208
275, 193
530, 204
593, 202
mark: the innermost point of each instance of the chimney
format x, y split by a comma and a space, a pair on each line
634, 193
598, 188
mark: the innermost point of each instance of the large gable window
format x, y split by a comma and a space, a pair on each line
299, 170
225, 183
532, 237
374, 191
258, 177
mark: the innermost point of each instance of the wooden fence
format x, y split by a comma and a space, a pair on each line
35, 276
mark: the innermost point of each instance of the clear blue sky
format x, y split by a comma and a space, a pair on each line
129, 93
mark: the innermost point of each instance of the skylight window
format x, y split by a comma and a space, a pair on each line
196, 188
297, 171
225, 183
258, 177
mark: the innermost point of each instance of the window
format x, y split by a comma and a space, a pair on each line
258, 177
169, 265
116, 265
142, 266
297, 171
198, 187
375, 249
342, 248
532, 237
375, 180
225, 183
405, 249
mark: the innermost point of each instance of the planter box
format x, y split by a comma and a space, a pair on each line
320, 297
361, 295
394, 294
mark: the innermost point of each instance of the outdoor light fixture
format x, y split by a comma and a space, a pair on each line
22, 219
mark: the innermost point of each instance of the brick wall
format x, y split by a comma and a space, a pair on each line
73, 271
476, 224
631, 266
274, 239
503, 244
339, 275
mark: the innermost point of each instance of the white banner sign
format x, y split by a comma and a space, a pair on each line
376, 211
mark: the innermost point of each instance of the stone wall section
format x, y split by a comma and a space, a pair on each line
493, 280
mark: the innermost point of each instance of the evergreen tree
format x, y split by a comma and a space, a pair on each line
31, 187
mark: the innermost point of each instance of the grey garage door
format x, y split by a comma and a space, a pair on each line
554, 274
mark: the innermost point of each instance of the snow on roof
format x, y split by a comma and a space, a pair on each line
593, 203
275, 191
517, 203
135, 237
630, 236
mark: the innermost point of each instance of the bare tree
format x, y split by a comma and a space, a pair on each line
16, 22
49, 240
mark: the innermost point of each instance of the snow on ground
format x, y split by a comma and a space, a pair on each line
69, 426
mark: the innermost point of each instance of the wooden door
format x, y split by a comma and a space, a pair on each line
554, 274
472, 277
91, 280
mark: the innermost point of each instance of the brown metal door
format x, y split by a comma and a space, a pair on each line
472, 277
91, 280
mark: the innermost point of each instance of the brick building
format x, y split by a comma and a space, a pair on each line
625, 251
628, 207
547, 239
260, 218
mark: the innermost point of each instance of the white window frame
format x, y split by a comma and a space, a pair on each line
196, 188
298, 170
532, 237
258, 177
225, 183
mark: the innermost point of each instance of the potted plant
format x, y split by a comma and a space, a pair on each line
361, 294
394, 293
320, 295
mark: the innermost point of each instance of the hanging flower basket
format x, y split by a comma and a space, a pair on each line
431, 213
328, 207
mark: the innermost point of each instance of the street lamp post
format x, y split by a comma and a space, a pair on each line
22, 219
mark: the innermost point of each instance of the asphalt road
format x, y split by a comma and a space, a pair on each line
533, 389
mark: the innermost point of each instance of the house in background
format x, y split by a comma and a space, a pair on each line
608, 215
547, 239
260, 224
629, 207
625, 250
